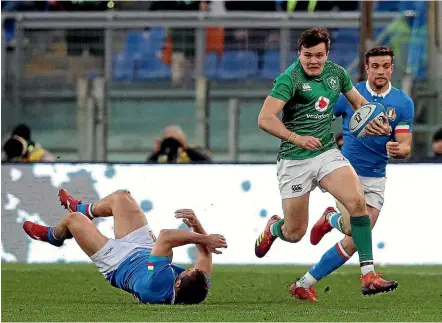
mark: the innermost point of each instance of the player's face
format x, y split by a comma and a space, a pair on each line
379, 70
313, 59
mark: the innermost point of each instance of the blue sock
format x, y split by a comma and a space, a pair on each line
334, 258
86, 209
335, 221
52, 240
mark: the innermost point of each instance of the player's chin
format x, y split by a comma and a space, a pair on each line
380, 82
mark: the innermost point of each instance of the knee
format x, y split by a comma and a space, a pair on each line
356, 205
121, 193
294, 234
74, 218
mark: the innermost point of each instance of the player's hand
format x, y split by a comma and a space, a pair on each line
377, 128
393, 149
215, 241
189, 218
308, 142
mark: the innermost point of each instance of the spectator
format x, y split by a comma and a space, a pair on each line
21, 139
182, 39
16, 149
172, 148
81, 41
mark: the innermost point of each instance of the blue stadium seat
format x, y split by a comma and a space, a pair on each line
211, 65
148, 42
238, 64
343, 56
271, 64
150, 67
123, 66
387, 6
134, 41
346, 35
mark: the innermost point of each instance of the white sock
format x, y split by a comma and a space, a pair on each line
306, 281
366, 269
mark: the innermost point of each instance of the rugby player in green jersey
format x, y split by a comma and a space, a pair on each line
308, 157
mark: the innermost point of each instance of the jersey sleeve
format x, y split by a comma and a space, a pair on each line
340, 106
347, 85
405, 123
283, 88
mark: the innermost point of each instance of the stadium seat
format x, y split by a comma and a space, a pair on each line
238, 64
148, 42
271, 64
123, 66
211, 65
150, 67
134, 41
388, 6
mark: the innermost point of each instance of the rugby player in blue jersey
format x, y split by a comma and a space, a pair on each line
135, 260
369, 157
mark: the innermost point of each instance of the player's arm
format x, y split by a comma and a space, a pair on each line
171, 238
204, 260
352, 95
268, 118
355, 98
401, 147
283, 91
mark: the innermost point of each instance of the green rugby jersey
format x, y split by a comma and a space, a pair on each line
308, 110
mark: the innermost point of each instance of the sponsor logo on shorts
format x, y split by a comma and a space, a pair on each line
109, 251
296, 188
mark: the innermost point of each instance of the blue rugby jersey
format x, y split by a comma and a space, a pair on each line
368, 156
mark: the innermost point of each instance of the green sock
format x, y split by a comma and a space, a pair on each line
276, 230
361, 233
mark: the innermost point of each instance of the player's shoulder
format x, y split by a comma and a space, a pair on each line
401, 97
332, 67
361, 85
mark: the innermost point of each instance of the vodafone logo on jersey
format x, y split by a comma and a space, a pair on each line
322, 104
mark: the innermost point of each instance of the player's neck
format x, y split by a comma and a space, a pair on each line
379, 91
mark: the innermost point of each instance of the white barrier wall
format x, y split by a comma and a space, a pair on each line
234, 200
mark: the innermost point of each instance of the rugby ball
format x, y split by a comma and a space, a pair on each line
362, 117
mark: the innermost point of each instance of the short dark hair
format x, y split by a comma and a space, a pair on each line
13, 148
23, 131
193, 288
314, 36
379, 51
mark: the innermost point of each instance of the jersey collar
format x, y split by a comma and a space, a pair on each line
373, 93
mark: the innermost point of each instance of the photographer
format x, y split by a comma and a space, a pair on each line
172, 148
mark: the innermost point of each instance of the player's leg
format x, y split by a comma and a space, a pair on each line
333, 258
127, 214
75, 225
295, 183
345, 186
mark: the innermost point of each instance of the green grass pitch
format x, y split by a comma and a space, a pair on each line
77, 292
